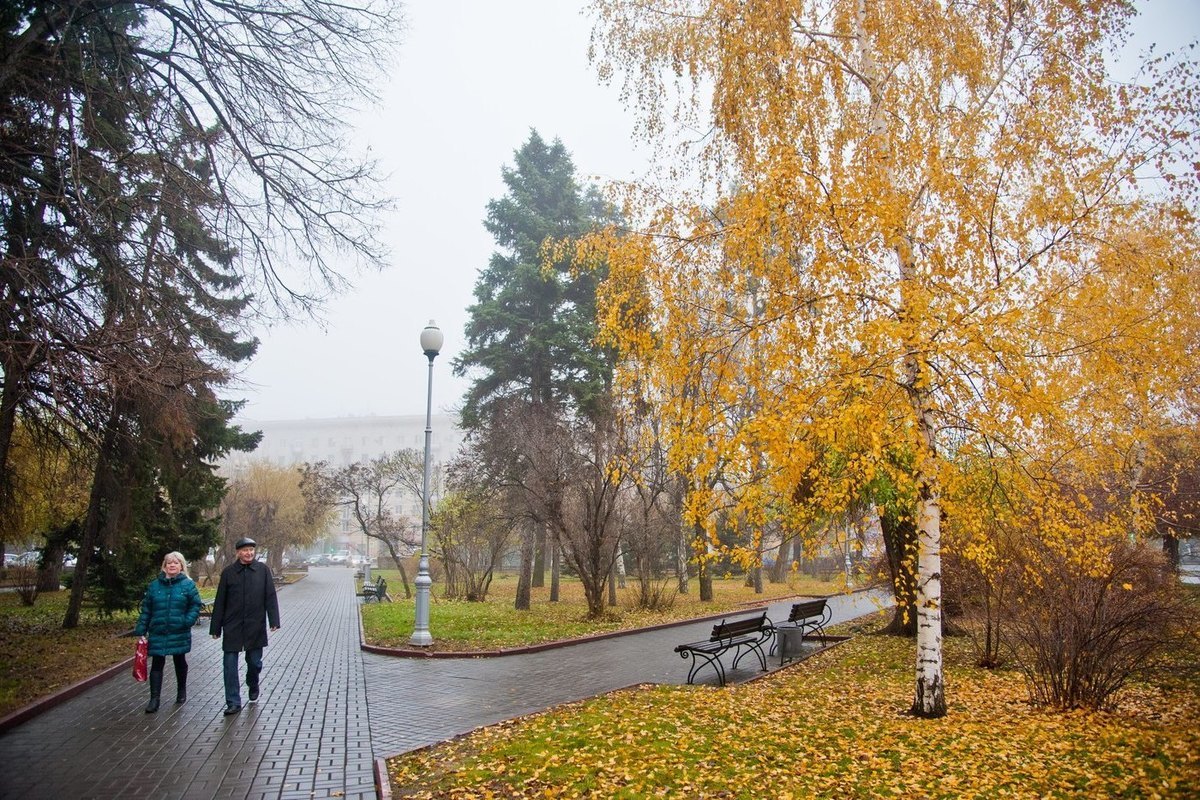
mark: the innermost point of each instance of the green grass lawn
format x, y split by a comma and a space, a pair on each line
491, 625
834, 726
38, 657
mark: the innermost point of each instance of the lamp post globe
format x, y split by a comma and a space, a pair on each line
431, 343
431, 340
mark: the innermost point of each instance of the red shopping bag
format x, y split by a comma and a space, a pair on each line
141, 668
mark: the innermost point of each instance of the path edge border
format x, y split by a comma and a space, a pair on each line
43, 704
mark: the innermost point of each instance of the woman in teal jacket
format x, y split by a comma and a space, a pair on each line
170, 608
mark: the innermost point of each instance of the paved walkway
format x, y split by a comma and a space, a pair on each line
310, 734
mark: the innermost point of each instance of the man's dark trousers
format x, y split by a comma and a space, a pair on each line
233, 683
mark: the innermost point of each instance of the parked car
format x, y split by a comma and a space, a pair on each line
30, 558
10, 559
341, 557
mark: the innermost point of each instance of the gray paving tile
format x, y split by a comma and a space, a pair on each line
102, 739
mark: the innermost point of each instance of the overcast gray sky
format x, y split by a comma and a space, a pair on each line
472, 78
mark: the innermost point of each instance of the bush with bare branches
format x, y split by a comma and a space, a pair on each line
24, 580
1081, 628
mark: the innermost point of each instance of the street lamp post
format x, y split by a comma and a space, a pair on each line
431, 343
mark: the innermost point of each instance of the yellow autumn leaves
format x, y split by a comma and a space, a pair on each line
927, 254
829, 727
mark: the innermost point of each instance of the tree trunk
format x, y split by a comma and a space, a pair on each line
612, 586
1170, 546
8, 422
929, 695
594, 594
929, 698
524, 598
619, 562
682, 547
49, 575
90, 536
782, 563
399, 566
404, 579
991, 641
900, 549
555, 570
703, 573
644, 572
538, 579
1137, 475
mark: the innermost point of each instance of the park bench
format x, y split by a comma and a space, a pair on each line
376, 591
741, 636
811, 616
805, 618
205, 611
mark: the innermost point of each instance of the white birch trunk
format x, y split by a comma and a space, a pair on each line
929, 699
930, 695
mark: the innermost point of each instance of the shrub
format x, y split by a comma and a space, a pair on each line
24, 578
985, 581
1082, 628
656, 592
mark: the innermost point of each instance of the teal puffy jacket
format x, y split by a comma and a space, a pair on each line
170, 608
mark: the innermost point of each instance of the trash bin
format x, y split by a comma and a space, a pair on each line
790, 638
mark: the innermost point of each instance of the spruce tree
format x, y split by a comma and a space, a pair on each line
531, 330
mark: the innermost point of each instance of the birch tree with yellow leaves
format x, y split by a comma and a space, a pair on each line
963, 235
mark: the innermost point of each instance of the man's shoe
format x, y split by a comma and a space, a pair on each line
254, 695
231, 709
152, 706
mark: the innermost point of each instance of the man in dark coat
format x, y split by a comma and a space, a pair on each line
244, 604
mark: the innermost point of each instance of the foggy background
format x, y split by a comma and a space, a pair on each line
471, 79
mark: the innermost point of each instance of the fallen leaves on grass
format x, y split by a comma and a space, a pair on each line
835, 727
39, 657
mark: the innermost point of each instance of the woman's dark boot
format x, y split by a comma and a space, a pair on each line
181, 684
155, 690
